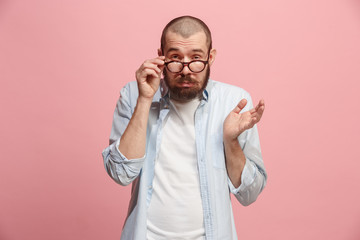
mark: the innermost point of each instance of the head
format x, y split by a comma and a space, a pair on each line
186, 39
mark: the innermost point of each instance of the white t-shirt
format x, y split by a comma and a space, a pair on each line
175, 210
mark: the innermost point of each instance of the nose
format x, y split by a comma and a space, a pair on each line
186, 69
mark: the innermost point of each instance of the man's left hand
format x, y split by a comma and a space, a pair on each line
236, 122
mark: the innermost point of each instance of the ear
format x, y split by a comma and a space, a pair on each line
160, 52
212, 56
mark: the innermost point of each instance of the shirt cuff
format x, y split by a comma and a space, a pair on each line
117, 157
248, 176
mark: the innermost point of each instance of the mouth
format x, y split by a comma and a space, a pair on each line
186, 84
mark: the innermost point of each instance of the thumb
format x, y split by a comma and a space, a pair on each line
240, 106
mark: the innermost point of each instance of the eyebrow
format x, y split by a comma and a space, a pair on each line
198, 50
193, 50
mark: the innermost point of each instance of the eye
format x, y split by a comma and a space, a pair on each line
196, 57
174, 57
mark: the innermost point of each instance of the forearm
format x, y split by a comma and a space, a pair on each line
235, 161
247, 176
133, 141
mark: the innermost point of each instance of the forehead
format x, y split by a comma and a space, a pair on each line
194, 42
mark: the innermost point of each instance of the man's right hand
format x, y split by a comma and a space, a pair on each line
148, 77
133, 141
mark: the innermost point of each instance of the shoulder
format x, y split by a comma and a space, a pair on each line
129, 94
130, 88
220, 90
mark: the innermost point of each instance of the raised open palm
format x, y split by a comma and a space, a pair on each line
236, 122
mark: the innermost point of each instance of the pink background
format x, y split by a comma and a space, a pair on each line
63, 63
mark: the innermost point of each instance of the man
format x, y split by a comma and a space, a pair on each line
184, 142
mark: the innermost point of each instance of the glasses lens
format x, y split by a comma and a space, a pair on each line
175, 67
196, 66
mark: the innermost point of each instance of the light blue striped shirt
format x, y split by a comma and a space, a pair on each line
215, 186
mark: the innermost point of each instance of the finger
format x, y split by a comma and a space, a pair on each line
261, 104
162, 65
158, 61
147, 73
151, 63
151, 66
256, 116
240, 106
254, 120
153, 73
258, 110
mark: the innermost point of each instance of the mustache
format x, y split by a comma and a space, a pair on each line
186, 79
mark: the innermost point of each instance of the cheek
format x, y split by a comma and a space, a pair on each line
170, 78
201, 77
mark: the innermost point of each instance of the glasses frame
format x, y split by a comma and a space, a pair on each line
188, 63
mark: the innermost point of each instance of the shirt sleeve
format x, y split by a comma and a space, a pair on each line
119, 168
254, 176
252, 183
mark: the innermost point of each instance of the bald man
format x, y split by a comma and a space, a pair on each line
185, 142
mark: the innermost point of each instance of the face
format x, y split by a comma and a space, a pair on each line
186, 85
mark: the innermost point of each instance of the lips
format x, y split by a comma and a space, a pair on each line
186, 84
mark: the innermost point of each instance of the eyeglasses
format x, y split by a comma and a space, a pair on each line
195, 66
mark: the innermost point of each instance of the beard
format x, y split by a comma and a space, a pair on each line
185, 94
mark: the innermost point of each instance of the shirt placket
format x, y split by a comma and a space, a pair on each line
200, 133
164, 110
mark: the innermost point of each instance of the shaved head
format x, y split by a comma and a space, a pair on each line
186, 26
